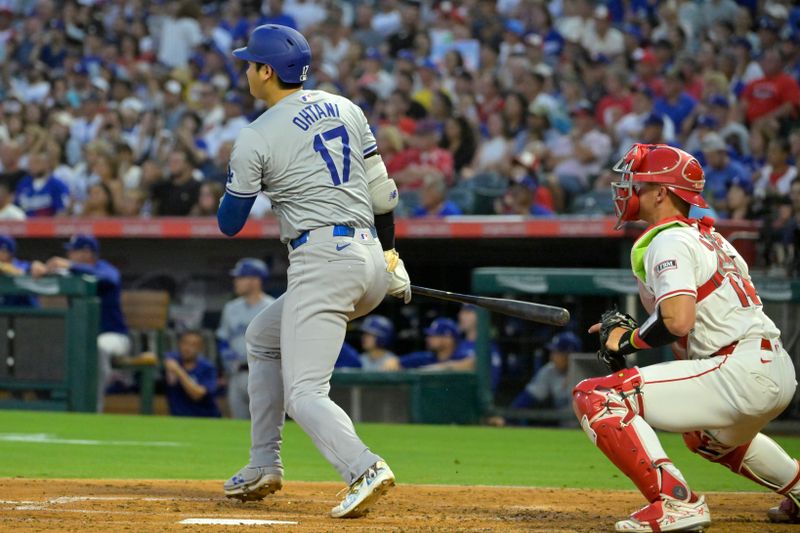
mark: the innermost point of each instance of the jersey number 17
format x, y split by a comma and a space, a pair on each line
319, 147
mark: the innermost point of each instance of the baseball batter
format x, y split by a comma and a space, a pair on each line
313, 154
734, 376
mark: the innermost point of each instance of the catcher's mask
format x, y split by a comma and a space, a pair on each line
679, 171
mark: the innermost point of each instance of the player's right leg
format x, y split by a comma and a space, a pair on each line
610, 410
263, 475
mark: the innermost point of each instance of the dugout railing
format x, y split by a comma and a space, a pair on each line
48, 356
573, 287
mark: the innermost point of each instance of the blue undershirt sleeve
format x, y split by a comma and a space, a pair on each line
232, 213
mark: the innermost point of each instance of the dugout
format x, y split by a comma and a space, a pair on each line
49, 353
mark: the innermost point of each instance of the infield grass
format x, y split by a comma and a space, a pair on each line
62, 445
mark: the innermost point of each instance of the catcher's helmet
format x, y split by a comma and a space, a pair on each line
381, 328
656, 163
250, 266
281, 47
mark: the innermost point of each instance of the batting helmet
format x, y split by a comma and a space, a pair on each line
250, 266
656, 163
381, 328
8, 244
282, 48
566, 341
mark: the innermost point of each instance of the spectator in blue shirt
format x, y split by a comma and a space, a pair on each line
720, 169
433, 199
191, 378
113, 342
11, 266
40, 194
676, 102
442, 354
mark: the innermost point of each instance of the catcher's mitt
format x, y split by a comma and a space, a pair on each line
613, 318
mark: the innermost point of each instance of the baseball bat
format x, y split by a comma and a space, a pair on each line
544, 314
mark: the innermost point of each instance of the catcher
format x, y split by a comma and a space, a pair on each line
732, 377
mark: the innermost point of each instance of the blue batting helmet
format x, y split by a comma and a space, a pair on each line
250, 266
381, 328
282, 48
8, 244
566, 341
443, 327
82, 241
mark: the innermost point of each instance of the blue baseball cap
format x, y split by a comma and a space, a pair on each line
566, 341
249, 266
82, 241
443, 327
654, 119
707, 121
719, 100
8, 244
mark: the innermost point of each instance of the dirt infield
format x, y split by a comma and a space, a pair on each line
98, 505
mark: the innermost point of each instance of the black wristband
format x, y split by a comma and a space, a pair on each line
652, 333
384, 225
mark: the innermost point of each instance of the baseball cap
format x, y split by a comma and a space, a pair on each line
582, 108
250, 266
712, 142
373, 53
82, 241
566, 341
707, 121
232, 97
8, 244
654, 119
407, 55
444, 327
741, 181
719, 100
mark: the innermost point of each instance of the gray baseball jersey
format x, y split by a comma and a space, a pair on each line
306, 153
236, 316
368, 364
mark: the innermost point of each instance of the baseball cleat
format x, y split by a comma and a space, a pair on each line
785, 513
668, 515
252, 484
365, 491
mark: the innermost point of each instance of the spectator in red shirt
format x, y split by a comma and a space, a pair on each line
617, 101
772, 98
423, 158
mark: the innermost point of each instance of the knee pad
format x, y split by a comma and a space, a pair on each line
706, 446
616, 393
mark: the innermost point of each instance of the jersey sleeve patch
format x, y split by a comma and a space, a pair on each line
663, 266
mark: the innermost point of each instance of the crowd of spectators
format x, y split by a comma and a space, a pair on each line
480, 107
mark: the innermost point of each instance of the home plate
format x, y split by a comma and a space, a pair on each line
235, 522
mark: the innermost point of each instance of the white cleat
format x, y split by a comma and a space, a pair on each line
252, 484
365, 491
668, 515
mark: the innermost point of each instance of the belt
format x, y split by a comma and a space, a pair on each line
338, 231
766, 345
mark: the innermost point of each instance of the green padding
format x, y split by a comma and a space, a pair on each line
640, 248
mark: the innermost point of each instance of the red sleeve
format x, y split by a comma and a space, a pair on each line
444, 162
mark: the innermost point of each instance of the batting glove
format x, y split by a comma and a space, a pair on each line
399, 282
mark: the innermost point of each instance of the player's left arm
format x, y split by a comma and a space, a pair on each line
670, 268
248, 160
384, 196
